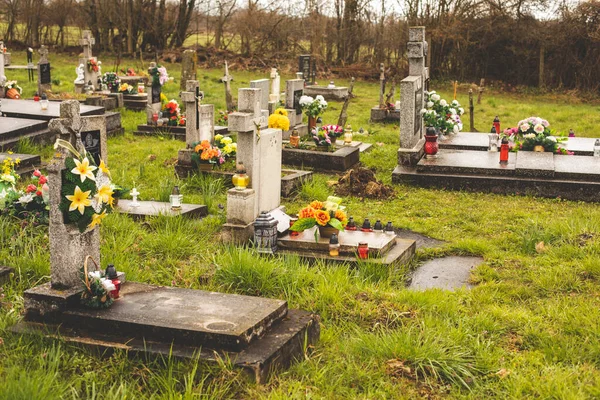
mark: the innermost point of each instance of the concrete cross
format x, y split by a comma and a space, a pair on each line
226, 79
43, 54
72, 124
192, 98
382, 85
87, 41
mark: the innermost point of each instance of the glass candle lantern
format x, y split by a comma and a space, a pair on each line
295, 139
44, 102
265, 233
141, 87
111, 273
366, 226
497, 124
292, 222
240, 179
597, 148
36, 97
351, 225
155, 118
389, 228
493, 140
504, 151
348, 135
334, 246
175, 199
363, 250
378, 227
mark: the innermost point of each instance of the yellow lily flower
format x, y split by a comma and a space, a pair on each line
104, 193
97, 219
79, 200
104, 168
84, 169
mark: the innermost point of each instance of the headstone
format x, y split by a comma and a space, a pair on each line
305, 66
87, 41
199, 117
294, 89
264, 86
412, 100
154, 103
69, 247
226, 79
275, 86
249, 112
44, 76
188, 67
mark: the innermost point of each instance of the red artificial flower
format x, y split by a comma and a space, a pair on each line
38, 193
43, 179
31, 188
37, 173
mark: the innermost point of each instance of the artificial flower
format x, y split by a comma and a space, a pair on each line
26, 199
97, 219
307, 212
84, 169
322, 217
79, 200
104, 193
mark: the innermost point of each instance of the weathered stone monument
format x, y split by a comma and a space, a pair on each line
226, 79
294, 89
274, 95
188, 67
154, 103
44, 75
259, 149
88, 41
200, 123
264, 86
307, 66
412, 99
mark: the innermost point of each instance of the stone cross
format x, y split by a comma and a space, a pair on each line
199, 117
87, 41
249, 114
226, 79
2, 73
44, 77
275, 86
412, 99
381, 85
154, 104
69, 247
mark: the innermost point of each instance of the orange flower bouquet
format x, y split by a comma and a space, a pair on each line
327, 214
205, 153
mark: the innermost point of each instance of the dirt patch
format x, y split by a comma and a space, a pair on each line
361, 182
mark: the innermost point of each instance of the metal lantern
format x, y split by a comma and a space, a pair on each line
265, 233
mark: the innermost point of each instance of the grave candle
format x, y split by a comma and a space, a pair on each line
334, 246
240, 179
348, 135
175, 199
497, 124
378, 227
292, 222
363, 250
141, 87
597, 148
504, 151
366, 226
351, 225
111, 273
389, 228
493, 138
44, 102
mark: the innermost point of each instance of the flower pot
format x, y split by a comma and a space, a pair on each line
431, 146
539, 148
312, 122
206, 167
327, 231
13, 93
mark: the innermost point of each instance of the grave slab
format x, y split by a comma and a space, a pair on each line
29, 162
155, 208
583, 168
534, 164
448, 273
177, 132
14, 129
378, 242
342, 159
31, 109
184, 316
464, 161
400, 253
5, 273
338, 93
284, 343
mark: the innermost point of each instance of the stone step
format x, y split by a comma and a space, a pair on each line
16, 127
183, 316
287, 340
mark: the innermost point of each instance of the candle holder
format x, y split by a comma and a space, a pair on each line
240, 179
111, 273
497, 124
334, 246
348, 135
295, 139
351, 225
493, 140
44, 102
504, 151
366, 226
175, 199
363, 250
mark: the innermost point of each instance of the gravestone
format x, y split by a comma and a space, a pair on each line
69, 247
199, 117
294, 89
226, 79
264, 86
307, 67
154, 104
44, 76
188, 67
412, 100
88, 41
260, 151
274, 96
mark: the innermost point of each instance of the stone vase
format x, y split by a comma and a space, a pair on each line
539, 149
312, 123
327, 231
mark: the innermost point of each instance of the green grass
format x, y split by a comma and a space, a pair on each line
528, 329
